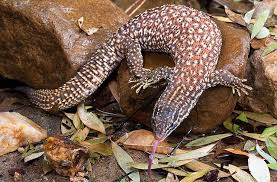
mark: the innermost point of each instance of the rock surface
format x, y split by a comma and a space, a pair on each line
126, 4
40, 42
215, 104
263, 76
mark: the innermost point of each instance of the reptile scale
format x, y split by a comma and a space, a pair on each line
189, 36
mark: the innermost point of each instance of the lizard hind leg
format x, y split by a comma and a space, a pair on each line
225, 78
143, 78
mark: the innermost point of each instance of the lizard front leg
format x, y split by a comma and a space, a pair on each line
225, 78
145, 77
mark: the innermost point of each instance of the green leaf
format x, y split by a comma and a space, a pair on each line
272, 32
269, 131
208, 140
194, 154
97, 140
100, 148
267, 157
263, 33
123, 180
229, 125
195, 175
272, 166
262, 118
248, 16
90, 119
242, 117
123, 159
260, 21
255, 136
80, 135
271, 147
272, 47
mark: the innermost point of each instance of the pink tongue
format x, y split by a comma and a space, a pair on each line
151, 157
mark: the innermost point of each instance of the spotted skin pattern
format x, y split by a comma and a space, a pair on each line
189, 36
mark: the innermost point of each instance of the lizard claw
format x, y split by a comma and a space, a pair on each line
240, 87
142, 84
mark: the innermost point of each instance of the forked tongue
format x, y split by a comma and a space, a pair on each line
152, 155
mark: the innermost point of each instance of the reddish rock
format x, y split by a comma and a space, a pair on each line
40, 42
214, 106
262, 74
125, 4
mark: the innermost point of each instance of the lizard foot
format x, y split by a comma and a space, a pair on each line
150, 77
142, 83
241, 87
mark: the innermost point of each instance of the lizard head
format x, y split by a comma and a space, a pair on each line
170, 110
166, 118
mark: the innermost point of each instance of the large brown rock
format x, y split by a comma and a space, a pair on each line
263, 76
40, 42
126, 4
215, 104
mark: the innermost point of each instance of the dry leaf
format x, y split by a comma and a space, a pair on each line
195, 175
235, 17
114, 91
99, 148
80, 22
144, 166
171, 178
177, 172
249, 146
90, 119
258, 168
33, 156
16, 130
236, 151
197, 165
258, 43
143, 140
67, 128
262, 118
76, 121
69, 115
240, 175
88, 31
91, 31
80, 135
223, 19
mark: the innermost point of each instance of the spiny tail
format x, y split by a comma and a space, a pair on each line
84, 83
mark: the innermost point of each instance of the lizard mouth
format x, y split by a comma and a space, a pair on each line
152, 155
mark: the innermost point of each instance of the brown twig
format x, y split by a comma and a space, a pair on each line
134, 7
